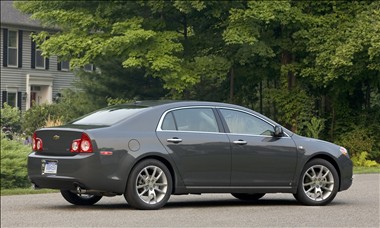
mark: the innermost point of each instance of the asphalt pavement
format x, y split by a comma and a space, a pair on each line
356, 207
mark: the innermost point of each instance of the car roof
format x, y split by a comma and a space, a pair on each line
179, 103
162, 105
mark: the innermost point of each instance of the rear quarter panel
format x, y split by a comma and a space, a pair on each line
130, 142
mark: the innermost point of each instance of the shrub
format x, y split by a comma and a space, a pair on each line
117, 101
52, 123
356, 141
315, 127
36, 117
11, 118
14, 164
362, 161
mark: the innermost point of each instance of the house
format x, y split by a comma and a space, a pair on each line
27, 77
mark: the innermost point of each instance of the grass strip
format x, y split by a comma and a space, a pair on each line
25, 191
364, 170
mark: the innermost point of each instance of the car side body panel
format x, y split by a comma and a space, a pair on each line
201, 160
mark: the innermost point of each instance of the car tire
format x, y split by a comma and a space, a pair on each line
149, 185
79, 199
318, 184
247, 196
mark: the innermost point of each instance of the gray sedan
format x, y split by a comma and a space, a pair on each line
148, 151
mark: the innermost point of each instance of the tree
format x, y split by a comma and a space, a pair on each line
115, 81
151, 36
324, 48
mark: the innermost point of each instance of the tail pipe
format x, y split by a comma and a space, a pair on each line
81, 191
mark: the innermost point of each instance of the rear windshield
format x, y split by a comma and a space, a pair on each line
108, 116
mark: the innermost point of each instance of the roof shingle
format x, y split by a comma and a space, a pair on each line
12, 16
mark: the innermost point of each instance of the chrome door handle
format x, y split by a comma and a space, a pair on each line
240, 142
174, 140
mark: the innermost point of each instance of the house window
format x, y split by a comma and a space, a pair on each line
89, 67
12, 48
40, 60
12, 99
65, 65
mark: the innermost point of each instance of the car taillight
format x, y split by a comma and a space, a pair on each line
37, 144
82, 145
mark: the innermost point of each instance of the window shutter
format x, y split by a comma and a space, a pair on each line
5, 47
20, 32
4, 98
33, 57
59, 67
19, 99
47, 63
47, 59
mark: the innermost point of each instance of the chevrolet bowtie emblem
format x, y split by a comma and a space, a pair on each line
56, 137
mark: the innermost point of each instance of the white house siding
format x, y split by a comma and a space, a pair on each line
13, 77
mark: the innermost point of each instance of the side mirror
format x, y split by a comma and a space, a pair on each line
278, 132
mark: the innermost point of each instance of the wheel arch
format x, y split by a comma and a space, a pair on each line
331, 160
165, 162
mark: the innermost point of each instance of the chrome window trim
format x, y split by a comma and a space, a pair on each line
251, 135
197, 132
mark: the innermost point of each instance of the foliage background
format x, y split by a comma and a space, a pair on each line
313, 66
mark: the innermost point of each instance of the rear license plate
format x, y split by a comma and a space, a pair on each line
49, 167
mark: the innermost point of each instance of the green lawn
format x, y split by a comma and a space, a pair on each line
361, 170
24, 191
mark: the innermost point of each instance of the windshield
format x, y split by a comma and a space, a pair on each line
108, 116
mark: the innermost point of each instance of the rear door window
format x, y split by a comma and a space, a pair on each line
191, 119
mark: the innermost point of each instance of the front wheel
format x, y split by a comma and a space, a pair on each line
319, 183
80, 199
149, 185
247, 196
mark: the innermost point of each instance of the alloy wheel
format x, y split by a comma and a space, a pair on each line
151, 184
318, 183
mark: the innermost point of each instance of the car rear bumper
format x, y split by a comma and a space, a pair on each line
86, 171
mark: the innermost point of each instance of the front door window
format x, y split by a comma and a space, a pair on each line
243, 123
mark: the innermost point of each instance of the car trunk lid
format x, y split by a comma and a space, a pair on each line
57, 141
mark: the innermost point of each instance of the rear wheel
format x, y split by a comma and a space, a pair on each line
149, 185
319, 183
248, 197
80, 199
